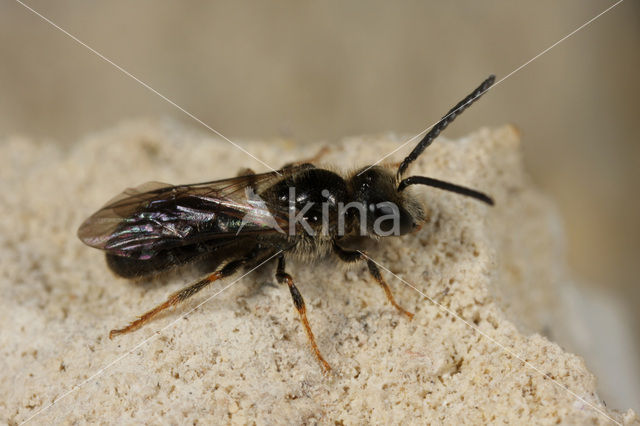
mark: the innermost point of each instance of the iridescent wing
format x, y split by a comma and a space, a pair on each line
153, 217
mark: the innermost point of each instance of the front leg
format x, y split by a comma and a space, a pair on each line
350, 256
298, 301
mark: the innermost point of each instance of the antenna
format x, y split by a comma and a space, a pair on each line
444, 122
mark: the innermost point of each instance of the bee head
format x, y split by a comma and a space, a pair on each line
389, 210
386, 210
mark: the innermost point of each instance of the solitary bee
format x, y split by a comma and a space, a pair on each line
299, 210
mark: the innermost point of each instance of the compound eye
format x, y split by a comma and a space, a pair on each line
390, 219
406, 223
384, 209
386, 217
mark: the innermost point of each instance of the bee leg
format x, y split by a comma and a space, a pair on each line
375, 272
182, 295
355, 256
323, 151
298, 301
248, 172
245, 172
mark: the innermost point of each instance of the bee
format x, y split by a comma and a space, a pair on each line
300, 210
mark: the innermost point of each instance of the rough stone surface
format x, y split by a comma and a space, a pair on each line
485, 285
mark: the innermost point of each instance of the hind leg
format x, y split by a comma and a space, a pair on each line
245, 172
182, 295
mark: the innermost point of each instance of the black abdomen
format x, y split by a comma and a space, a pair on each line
209, 254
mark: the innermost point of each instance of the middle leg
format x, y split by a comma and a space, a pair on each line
298, 301
309, 162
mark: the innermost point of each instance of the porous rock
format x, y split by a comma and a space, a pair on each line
482, 282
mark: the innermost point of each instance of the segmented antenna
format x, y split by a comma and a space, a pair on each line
447, 186
444, 122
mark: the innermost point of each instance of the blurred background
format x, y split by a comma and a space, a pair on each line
315, 72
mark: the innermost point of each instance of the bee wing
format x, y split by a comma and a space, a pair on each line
142, 221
